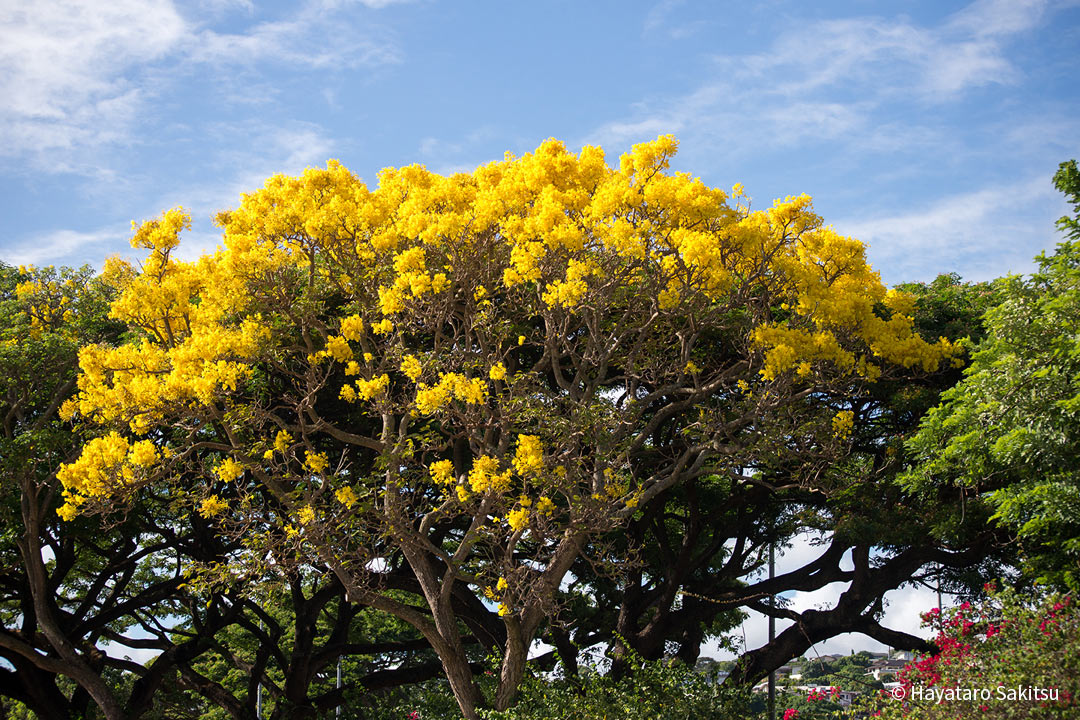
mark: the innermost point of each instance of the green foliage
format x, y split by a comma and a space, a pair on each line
1067, 180
651, 690
1010, 431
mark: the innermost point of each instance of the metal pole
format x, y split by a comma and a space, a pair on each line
258, 689
772, 635
337, 711
941, 610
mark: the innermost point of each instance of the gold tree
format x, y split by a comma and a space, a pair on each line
475, 375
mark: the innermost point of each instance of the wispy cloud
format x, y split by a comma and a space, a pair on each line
78, 75
981, 234
62, 70
60, 244
313, 38
834, 76
927, 63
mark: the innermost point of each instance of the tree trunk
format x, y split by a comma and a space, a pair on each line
76, 666
513, 666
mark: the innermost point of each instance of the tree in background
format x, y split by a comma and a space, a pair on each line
478, 376
1010, 430
702, 545
75, 602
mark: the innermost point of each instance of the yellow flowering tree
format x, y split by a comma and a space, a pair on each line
474, 376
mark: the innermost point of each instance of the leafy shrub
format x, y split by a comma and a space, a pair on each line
651, 690
1003, 659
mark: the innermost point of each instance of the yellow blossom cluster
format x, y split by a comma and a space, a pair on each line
551, 231
411, 367
228, 470
843, 423
451, 386
442, 471
412, 280
529, 456
106, 464
212, 507
316, 462
517, 518
364, 389
496, 594
346, 496
485, 476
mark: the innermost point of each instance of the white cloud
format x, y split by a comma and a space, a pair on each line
79, 75
380, 4
980, 234
990, 18
835, 79
313, 38
886, 57
63, 64
59, 244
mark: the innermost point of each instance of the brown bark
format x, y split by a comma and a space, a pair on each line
74, 664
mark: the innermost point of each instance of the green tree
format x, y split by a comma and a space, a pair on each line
67, 596
1010, 431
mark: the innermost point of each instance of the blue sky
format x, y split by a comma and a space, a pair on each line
928, 129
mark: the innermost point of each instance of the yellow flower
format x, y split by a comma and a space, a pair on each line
212, 506
442, 471
517, 519
411, 367
228, 470
316, 462
497, 371
485, 475
352, 328
282, 440
368, 389
504, 609
346, 496
521, 339
545, 506
339, 348
143, 453
306, 516
529, 456
501, 585
842, 423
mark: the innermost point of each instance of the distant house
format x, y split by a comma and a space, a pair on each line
885, 666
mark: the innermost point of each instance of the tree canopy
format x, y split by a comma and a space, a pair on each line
1010, 430
477, 377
